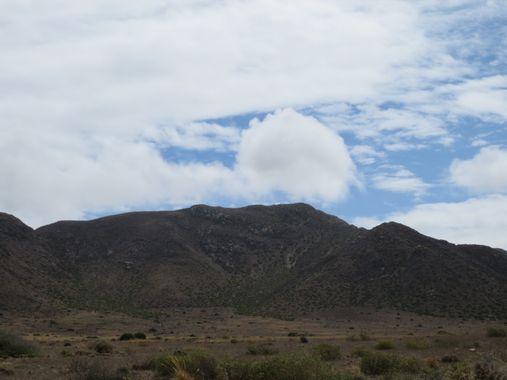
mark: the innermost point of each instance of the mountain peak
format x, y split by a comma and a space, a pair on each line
12, 226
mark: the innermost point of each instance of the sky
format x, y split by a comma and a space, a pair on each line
369, 110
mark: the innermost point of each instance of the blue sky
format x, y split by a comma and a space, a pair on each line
371, 110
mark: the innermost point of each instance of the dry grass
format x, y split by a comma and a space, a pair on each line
67, 340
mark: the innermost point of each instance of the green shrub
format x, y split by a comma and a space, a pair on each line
360, 352
140, 335
103, 348
198, 364
281, 367
377, 363
496, 332
127, 336
327, 352
459, 371
410, 364
384, 345
261, 349
14, 346
418, 344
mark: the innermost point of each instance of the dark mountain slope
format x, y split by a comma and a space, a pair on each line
393, 265
28, 272
281, 260
196, 256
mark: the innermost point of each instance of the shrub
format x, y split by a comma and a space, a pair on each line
127, 336
496, 332
262, 349
14, 346
360, 352
459, 371
281, 367
140, 335
410, 365
449, 359
384, 345
198, 364
432, 363
103, 348
376, 363
419, 344
327, 352
488, 370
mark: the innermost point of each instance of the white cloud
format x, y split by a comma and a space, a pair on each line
130, 66
484, 173
196, 136
365, 154
297, 155
66, 177
400, 181
474, 221
484, 97
478, 142
392, 128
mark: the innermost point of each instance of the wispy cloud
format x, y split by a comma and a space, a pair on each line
474, 221
400, 180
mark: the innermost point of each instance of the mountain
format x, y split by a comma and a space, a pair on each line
281, 260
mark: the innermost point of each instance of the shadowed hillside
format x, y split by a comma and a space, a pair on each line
280, 260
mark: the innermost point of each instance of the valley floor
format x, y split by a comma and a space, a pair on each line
67, 339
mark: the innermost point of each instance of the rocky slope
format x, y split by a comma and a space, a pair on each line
280, 260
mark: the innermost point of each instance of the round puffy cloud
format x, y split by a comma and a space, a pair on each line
484, 173
297, 155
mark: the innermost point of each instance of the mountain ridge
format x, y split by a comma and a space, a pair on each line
279, 260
